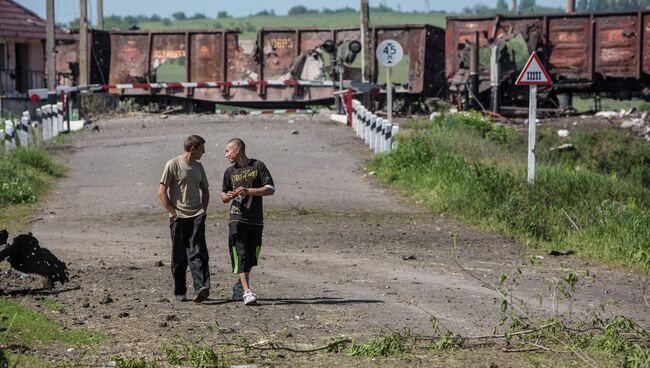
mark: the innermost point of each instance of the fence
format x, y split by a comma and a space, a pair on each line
376, 132
47, 123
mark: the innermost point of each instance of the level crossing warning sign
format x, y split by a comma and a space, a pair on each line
534, 73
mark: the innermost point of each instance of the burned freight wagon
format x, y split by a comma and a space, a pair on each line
282, 67
598, 53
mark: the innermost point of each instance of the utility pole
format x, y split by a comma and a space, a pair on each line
100, 15
366, 47
570, 6
50, 48
83, 43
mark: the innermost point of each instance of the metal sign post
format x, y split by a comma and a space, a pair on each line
389, 53
533, 74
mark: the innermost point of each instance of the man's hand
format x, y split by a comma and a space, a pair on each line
242, 191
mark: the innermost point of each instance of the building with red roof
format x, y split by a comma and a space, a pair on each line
22, 49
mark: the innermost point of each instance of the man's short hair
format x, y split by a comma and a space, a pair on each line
193, 141
239, 143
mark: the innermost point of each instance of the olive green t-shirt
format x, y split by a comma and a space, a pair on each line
184, 181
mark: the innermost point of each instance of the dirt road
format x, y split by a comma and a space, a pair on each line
342, 254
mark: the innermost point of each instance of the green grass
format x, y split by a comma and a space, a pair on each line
305, 20
24, 326
594, 200
25, 174
582, 104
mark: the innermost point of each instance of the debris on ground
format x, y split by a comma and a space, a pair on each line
567, 252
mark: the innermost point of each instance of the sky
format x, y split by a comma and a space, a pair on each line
66, 10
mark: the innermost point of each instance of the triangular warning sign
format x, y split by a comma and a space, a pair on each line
534, 73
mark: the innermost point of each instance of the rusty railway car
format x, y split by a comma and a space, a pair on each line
587, 53
278, 54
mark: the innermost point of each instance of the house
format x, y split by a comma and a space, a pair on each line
22, 49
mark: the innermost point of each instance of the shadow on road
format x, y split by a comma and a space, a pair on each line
291, 301
40, 291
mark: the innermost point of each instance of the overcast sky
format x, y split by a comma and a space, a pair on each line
67, 10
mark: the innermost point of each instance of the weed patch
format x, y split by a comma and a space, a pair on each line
467, 165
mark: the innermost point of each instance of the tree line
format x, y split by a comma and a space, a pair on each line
524, 7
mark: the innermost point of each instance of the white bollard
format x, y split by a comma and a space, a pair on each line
388, 130
52, 118
379, 134
24, 130
9, 135
355, 110
362, 122
365, 119
48, 130
39, 125
59, 117
373, 137
393, 144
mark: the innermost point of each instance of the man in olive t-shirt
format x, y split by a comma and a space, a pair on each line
183, 191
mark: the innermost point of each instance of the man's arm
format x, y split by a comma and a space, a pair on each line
228, 196
205, 198
266, 190
166, 202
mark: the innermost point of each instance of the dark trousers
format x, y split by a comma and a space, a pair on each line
189, 248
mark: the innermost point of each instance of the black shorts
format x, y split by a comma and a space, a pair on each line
244, 243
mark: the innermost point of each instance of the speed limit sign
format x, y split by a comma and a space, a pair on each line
389, 53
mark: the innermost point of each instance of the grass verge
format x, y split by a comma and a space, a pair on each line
26, 174
23, 326
593, 199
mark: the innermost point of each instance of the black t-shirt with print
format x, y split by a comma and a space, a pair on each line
247, 209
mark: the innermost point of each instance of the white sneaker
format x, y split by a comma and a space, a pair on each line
249, 297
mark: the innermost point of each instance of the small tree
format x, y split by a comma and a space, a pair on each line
223, 14
297, 10
198, 16
179, 16
502, 6
166, 22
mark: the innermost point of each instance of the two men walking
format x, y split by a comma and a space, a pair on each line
184, 193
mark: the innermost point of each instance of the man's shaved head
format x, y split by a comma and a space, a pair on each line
239, 144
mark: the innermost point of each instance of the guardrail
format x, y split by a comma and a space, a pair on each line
47, 123
378, 133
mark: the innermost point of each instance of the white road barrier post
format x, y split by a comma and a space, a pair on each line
388, 131
54, 121
9, 135
39, 125
373, 126
393, 133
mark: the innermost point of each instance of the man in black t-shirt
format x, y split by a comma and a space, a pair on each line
245, 183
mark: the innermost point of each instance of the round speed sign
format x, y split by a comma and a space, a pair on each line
389, 53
